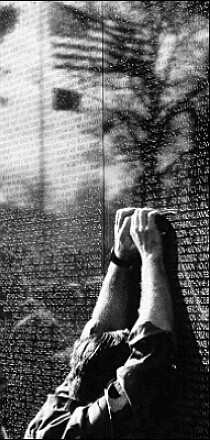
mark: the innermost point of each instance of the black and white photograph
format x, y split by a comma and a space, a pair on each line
104, 220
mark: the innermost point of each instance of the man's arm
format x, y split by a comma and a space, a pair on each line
156, 303
111, 311
141, 379
146, 373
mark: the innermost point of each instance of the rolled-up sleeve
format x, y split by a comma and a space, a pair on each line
143, 380
152, 357
149, 379
59, 421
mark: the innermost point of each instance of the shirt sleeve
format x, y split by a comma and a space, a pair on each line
145, 371
127, 402
149, 379
60, 418
93, 421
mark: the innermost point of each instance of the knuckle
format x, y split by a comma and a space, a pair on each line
151, 215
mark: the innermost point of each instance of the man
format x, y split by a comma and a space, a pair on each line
120, 376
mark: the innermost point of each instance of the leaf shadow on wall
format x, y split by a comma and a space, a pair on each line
8, 19
138, 101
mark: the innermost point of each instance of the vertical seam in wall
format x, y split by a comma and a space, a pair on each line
103, 154
41, 108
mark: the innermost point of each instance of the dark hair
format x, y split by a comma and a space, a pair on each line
94, 362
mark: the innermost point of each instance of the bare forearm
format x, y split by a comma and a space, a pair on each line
111, 311
156, 304
111, 305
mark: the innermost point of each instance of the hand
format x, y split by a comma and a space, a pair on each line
124, 246
145, 234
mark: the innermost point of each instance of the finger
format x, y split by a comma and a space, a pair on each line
143, 218
126, 226
135, 221
117, 215
122, 214
151, 219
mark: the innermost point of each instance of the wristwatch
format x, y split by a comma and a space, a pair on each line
114, 259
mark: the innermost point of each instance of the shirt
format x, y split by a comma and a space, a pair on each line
129, 407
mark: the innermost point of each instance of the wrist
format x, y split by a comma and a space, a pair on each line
118, 260
152, 260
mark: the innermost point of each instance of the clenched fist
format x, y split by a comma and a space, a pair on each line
145, 234
124, 246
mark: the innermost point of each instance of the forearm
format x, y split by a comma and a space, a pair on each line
150, 368
156, 303
110, 312
112, 302
113, 310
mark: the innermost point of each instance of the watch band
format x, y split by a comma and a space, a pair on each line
114, 259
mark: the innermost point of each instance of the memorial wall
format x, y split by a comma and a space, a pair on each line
103, 105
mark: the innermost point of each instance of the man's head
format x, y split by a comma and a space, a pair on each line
94, 362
